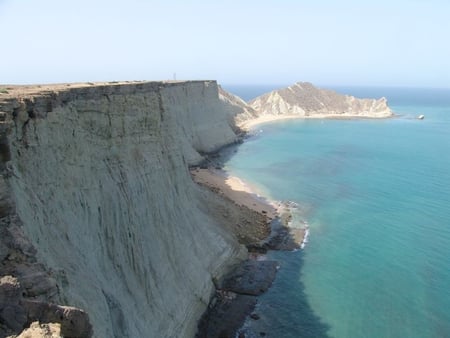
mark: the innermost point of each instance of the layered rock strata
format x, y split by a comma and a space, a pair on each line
95, 185
239, 110
305, 100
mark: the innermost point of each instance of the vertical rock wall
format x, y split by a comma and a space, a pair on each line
98, 177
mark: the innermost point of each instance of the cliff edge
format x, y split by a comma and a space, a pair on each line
96, 199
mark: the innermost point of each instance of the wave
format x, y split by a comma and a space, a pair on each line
305, 238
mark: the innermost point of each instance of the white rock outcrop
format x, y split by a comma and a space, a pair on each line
98, 176
305, 100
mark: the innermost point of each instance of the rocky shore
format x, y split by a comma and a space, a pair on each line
260, 225
236, 298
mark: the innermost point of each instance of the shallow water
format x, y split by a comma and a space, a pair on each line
376, 195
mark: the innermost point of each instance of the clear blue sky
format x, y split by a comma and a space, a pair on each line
346, 42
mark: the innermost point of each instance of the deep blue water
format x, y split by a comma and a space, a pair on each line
376, 196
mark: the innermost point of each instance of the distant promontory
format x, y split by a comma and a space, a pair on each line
304, 100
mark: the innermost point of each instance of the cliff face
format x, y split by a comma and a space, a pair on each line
303, 99
238, 110
96, 178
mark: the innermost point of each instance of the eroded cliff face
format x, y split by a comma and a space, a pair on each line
305, 100
96, 177
238, 110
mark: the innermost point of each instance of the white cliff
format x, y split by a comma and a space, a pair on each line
96, 177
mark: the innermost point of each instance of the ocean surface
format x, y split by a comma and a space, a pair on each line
376, 197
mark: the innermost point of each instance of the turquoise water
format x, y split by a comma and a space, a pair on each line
376, 195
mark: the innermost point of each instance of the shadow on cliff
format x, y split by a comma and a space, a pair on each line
284, 311
218, 158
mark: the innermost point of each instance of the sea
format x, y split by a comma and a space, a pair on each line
375, 195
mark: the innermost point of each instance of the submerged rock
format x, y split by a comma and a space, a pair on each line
236, 299
226, 317
251, 277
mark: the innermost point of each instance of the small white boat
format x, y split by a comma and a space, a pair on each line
421, 117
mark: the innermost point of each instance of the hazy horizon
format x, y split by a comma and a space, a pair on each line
327, 43
328, 85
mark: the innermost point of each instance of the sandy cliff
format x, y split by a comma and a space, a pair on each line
304, 100
96, 196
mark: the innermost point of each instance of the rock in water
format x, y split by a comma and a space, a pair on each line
251, 277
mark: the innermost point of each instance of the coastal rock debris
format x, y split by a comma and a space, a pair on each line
236, 298
16, 312
251, 277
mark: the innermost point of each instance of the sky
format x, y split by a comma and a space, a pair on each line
346, 42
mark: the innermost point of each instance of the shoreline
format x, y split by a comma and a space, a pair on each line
235, 189
277, 215
237, 292
249, 125
230, 307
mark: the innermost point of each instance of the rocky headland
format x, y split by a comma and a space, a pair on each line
109, 225
304, 100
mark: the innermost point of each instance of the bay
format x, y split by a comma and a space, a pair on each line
376, 196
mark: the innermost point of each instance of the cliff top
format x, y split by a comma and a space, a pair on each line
9, 91
38, 99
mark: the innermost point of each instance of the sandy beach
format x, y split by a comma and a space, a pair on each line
253, 123
262, 119
259, 223
234, 189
